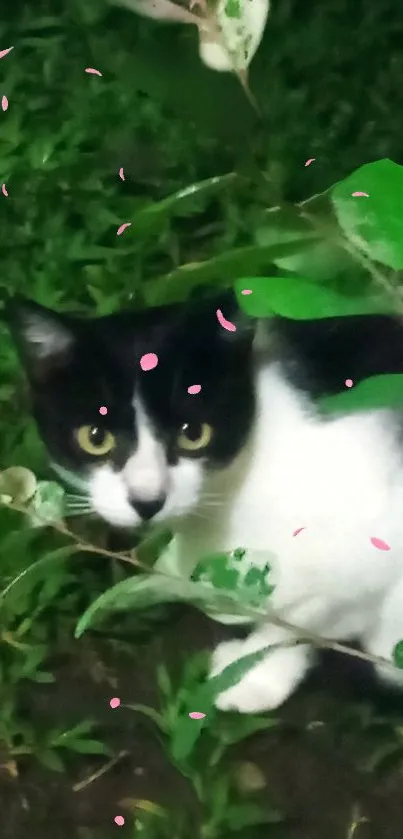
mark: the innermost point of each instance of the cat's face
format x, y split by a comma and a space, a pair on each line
147, 455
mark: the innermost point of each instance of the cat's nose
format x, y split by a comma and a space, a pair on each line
147, 509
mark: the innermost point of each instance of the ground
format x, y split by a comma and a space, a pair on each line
328, 762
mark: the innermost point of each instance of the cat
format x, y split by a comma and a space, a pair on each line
249, 460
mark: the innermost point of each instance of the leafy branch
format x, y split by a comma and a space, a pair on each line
256, 614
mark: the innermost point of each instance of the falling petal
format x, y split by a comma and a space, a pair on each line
121, 173
3, 53
4, 190
115, 702
380, 544
93, 71
196, 715
148, 361
194, 389
123, 227
311, 160
226, 324
298, 530
4, 103
360, 194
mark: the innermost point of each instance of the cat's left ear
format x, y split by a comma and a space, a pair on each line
44, 338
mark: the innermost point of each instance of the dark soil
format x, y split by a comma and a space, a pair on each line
329, 760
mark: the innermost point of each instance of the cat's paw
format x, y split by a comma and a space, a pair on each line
267, 685
252, 694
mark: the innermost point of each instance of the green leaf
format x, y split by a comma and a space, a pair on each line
220, 271
56, 555
302, 299
87, 747
247, 814
244, 572
188, 730
373, 224
398, 655
151, 713
47, 505
321, 258
183, 202
145, 590
370, 394
18, 483
51, 760
233, 728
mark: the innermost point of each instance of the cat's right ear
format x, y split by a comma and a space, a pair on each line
44, 338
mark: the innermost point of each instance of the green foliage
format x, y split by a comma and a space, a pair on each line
214, 195
200, 748
373, 223
375, 392
302, 299
235, 583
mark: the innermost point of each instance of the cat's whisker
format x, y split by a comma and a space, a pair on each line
199, 515
76, 512
78, 506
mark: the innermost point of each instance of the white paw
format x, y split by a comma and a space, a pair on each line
267, 685
252, 695
225, 654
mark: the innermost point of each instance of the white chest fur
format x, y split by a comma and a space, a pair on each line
341, 480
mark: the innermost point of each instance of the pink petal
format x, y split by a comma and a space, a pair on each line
93, 71
119, 820
226, 324
115, 702
246, 291
121, 173
103, 410
4, 190
349, 383
311, 159
360, 194
196, 715
380, 544
4, 103
194, 389
298, 530
123, 227
3, 53
148, 361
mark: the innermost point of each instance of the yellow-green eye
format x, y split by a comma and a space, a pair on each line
195, 436
94, 440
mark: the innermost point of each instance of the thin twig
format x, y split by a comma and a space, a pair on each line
95, 775
255, 614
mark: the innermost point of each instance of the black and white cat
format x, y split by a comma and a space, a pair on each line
247, 461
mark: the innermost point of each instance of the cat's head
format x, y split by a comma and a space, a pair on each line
146, 455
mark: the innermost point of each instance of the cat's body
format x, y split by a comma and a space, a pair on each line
273, 474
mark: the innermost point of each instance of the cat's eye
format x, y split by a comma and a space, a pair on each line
94, 440
194, 436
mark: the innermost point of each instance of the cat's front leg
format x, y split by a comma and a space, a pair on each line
269, 683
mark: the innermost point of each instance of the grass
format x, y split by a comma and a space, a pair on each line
326, 79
